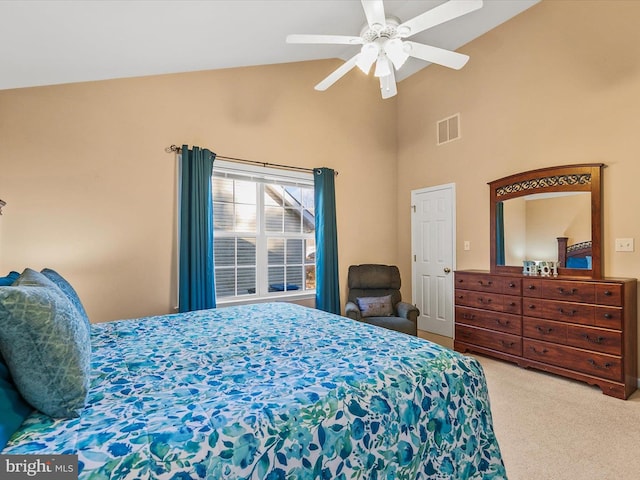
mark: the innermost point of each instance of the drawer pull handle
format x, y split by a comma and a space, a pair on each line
607, 293
488, 284
599, 367
597, 340
569, 313
567, 292
503, 323
544, 330
608, 316
507, 344
532, 306
531, 287
482, 300
541, 352
512, 285
512, 304
468, 316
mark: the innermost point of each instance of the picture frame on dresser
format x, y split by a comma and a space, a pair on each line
577, 324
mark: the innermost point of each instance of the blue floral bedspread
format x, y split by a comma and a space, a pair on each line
272, 391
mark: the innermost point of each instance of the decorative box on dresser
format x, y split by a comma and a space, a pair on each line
581, 328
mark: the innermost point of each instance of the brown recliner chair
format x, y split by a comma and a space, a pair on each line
374, 297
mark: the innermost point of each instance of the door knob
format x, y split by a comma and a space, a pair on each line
447, 270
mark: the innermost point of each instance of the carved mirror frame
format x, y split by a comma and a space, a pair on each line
568, 178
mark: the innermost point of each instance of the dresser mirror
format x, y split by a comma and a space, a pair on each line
548, 215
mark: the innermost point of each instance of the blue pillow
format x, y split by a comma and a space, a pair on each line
577, 262
13, 407
45, 344
9, 279
68, 290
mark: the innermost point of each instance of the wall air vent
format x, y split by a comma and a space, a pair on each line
448, 129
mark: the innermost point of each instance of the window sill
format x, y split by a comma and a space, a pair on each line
308, 295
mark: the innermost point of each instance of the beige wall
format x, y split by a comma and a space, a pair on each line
90, 189
558, 84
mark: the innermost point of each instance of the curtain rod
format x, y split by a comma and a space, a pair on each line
175, 148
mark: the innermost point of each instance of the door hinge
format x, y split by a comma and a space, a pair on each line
414, 208
414, 258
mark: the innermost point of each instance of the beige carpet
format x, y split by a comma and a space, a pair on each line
552, 428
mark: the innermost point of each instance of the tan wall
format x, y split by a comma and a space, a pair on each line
558, 84
90, 190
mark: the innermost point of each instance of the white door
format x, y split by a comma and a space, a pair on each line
433, 246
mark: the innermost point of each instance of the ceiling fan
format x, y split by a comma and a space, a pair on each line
383, 42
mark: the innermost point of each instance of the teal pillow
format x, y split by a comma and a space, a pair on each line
67, 289
46, 345
13, 407
9, 279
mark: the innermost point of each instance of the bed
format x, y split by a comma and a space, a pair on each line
577, 255
271, 391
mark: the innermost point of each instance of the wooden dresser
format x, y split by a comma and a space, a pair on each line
580, 328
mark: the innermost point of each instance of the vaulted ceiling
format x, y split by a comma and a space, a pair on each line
51, 42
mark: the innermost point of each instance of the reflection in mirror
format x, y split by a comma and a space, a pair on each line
528, 227
553, 220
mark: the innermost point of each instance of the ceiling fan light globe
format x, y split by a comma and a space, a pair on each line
394, 49
383, 69
368, 54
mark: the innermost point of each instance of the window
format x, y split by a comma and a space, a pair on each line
264, 232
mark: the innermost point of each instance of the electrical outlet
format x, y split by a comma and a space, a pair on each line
624, 244
467, 245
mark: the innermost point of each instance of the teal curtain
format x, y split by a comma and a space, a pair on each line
327, 280
499, 233
196, 283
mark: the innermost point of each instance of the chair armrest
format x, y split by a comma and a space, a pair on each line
353, 311
408, 311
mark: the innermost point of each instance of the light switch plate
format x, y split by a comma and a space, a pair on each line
467, 245
624, 244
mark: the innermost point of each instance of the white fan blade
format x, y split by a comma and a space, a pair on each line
339, 39
374, 11
368, 55
388, 86
440, 14
437, 55
337, 74
395, 51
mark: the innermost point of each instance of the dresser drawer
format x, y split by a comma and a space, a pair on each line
609, 294
558, 290
598, 339
547, 330
488, 283
489, 301
532, 287
502, 322
592, 363
608, 317
503, 342
560, 311
569, 291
